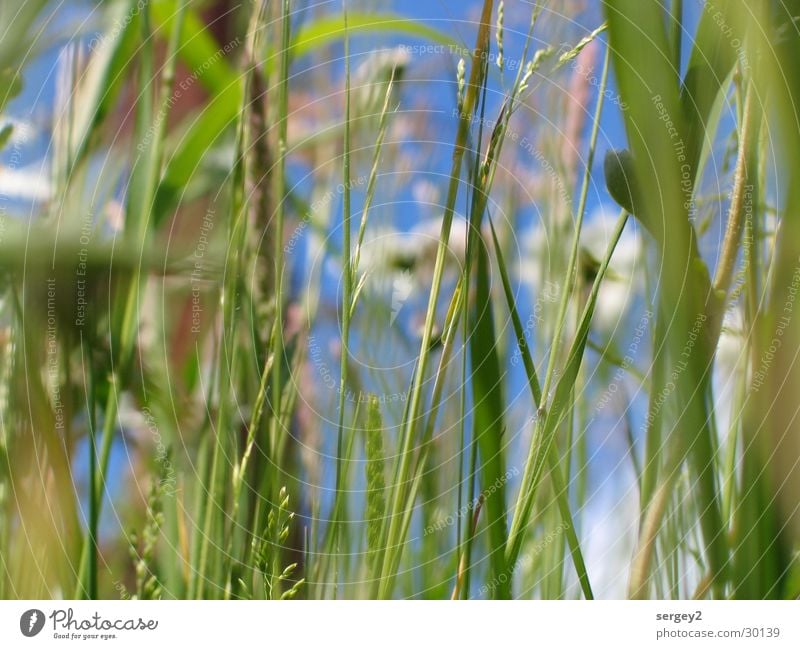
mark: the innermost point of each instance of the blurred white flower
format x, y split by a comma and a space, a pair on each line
596, 235
424, 238
398, 266
402, 286
534, 257
623, 282
390, 252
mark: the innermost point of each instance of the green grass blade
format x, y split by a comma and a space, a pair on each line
554, 468
347, 304
141, 193
488, 409
655, 124
325, 31
411, 421
711, 61
540, 443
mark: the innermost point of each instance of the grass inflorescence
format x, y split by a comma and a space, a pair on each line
300, 308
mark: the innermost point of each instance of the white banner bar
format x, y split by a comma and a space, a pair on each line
400, 624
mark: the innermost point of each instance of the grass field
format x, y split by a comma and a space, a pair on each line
399, 300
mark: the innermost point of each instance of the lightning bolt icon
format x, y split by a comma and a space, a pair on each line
34, 617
